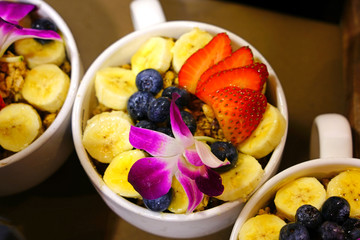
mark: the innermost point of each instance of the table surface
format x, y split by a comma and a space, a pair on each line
306, 55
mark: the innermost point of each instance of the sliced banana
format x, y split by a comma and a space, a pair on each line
305, 190
107, 134
187, 44
46, 87
36, 53
347, 185
240, 181
114, 86
266, 136
20, 125
154, 53
116, 174
264, 226
180, 202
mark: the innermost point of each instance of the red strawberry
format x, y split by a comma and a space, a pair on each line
238, 111
2, 103
217, 49
241, 57
252, 77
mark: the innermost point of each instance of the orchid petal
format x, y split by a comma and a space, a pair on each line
155, 143
151, 177
207, 157
194, 195
14, 12
10, 33
209, 182
187, 169
193, 157
179, 128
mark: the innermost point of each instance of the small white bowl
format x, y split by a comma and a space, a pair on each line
164, 224
46, 154
330, 143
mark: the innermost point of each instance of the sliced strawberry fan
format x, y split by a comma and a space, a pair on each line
239, 58
216, 50
252, 76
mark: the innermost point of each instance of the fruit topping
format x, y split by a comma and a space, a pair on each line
225, 151
138, 105
159, 110
159, 204
251, 77
213, 52
239, 58
239, 111
149, 80
43, 24
189, 121
184, 98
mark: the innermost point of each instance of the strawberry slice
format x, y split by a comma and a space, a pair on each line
2, 103
217, 49
238, 111
240, 58
252, 76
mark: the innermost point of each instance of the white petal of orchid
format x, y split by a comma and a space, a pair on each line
207, 157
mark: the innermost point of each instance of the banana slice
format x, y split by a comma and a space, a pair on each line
46, 87
265, 226
266, 136
114, 86
36, 54
305, 190
187, 44
154, 53
116, 174
20, 125
107, 135
347, 184
240, 181
180, 202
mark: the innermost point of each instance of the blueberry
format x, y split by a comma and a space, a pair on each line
352, 228
225, 150
353, 234
149, 80
165, 130
184, 98
309, 216
294, 231
189, 121
43, 24
159, 110
331, 231
336, 209
145, 124
159, 204
138, 104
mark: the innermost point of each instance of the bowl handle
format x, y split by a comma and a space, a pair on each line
331, 137
145, 13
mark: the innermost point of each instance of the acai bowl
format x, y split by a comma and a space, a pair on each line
185, 224
43, 141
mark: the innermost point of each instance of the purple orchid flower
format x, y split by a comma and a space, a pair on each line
10, 30
189, 160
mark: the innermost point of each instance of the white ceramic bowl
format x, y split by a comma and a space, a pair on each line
164, 224
330, 142
46, 154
